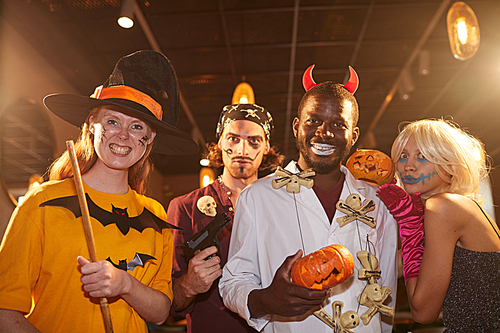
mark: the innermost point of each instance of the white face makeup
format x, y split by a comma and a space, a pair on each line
243, 144
417, 173
119, 140
322, 149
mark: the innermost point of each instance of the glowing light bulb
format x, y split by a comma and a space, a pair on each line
463, 31
125, 22
207, 176
243, 94
206, 181
243, 100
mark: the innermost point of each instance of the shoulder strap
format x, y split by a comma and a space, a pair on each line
486, 215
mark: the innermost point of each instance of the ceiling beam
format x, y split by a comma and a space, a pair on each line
354, 55
228, 42
302, 8
291, 75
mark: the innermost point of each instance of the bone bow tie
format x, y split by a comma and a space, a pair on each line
293, 180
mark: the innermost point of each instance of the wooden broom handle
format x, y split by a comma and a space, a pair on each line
88, 227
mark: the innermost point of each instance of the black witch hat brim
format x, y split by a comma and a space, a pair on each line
75, 109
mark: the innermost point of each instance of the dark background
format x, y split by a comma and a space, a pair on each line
215, 44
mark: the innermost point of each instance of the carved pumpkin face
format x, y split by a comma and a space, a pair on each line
324, 268
371, 166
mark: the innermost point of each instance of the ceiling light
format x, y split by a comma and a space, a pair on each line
243, 94
126, 19
204, 162
424, 63
463, 31
405, 85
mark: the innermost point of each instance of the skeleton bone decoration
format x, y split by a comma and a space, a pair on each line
370, 270
343, 321
352, 207
207, 205
339, 322
373, 296
293, 180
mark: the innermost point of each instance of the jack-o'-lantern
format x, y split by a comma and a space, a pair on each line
371, 166
323, 268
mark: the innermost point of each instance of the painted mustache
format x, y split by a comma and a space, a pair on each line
229, 152
243, 159
412, 180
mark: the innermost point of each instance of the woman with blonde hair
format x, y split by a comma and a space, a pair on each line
457, 268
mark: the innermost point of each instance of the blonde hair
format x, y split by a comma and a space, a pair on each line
459, 158
138, 174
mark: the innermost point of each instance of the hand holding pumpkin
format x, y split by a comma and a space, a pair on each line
324, 268
283, 297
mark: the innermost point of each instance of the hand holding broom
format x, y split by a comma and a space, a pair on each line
88, 227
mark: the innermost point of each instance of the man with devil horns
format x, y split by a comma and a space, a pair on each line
244, 134
47, 282
276, 225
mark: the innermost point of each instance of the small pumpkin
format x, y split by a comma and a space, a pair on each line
371, 166
323, 268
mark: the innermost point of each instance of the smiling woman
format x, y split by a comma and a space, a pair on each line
119, 140
114, 164
27, 147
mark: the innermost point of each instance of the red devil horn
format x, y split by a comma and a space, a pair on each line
352, 84
307, 79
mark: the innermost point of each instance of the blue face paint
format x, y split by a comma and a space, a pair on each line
403, 160
412, 180
422, 160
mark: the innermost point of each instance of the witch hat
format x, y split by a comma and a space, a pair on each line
137, 85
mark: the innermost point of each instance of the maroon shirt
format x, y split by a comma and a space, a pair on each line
207, 313
330, 197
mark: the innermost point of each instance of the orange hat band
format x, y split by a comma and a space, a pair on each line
126, 92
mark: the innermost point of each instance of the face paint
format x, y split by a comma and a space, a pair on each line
243, 144
419, 158
413, 180
119, 139
103, 134
417, 173
143, 140
422, 160
256, 155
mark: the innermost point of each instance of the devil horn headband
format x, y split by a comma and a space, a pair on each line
351, 85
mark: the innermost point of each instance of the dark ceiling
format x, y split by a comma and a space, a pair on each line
215, 44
